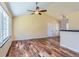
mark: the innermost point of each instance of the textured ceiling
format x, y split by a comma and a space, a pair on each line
54, 8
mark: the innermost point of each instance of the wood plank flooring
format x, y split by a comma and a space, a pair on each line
44, 47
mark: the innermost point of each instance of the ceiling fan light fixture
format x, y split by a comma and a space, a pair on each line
36, 12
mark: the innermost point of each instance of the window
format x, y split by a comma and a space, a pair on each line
4, 26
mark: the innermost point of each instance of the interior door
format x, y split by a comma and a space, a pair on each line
51, 30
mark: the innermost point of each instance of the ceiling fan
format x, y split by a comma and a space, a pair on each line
37, 10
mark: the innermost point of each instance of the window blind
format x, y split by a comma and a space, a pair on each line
4, 26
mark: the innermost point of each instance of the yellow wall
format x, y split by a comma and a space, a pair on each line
68, 9
74, 21
32, 26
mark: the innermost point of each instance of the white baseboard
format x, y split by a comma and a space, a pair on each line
27, 38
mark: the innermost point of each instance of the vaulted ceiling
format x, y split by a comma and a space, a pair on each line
54, 8
20, 8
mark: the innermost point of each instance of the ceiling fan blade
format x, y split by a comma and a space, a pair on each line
32, 13
31, 10
40, 14
37, 6
43, 11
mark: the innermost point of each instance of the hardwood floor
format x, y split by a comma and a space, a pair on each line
44, 47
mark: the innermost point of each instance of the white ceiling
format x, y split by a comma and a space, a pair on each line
54, 8
20, 8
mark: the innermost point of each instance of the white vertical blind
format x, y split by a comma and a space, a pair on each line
4, 25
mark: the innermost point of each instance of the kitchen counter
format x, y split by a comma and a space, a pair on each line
70, 39
70, 30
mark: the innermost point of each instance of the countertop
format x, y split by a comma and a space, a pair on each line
70, 30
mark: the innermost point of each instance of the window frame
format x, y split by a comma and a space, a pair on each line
5, 29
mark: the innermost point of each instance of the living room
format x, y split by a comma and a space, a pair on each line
39, 29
